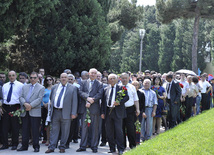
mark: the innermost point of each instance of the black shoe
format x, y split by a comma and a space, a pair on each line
111, 151
75, 141
67, 146
120, 152
80, 150
36, 150
14, 148
94, 151
4, 147
103, 144
22, 149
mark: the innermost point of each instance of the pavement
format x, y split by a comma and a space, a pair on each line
72, 150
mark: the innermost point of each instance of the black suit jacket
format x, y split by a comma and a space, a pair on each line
96, 92
120, 109
175, 92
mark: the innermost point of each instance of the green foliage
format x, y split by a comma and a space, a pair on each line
191, 137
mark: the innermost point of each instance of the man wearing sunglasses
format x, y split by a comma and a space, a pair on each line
11, 93
30, 100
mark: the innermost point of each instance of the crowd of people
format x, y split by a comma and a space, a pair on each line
96, 107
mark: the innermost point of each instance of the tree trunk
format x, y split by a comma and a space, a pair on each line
195, 42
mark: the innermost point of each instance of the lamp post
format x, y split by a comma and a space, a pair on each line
142, 34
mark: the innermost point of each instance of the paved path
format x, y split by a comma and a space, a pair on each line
72, 150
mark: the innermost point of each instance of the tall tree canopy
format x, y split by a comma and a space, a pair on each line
174, 9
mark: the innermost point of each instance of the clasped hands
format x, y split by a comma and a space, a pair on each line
28, 107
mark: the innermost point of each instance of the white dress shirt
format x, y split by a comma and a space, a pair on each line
60, 87
204, 85
169, 85
113, 96
132, 93
16, 93
185, 88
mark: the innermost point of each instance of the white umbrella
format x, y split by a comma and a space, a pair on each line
186, 71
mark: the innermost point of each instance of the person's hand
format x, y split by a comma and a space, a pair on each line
153, 114
91, 100
27, 106
103, 116
144, 115
116, 103
45, 105
73, 116
137, 112
175, 102
87, 105
1, 111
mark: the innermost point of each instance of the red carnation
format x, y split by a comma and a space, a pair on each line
158, 87
11, 115
153, 87
210, 94
181, 85
89, 124
124, 88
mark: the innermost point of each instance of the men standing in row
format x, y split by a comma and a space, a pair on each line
114, 112
64, 101
91, 92
11, 92
132, 109
173, 99
30, 100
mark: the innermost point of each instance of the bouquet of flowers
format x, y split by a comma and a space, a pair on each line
156, 91
120, 95
18, 112
181, 85
88, 118
138, 126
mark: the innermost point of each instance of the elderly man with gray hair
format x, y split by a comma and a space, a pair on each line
150, 110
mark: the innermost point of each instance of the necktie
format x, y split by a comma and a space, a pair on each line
60, 96
110, 98
10, 92
91, 84
168, 88
29, 94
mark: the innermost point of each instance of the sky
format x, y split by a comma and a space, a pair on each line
146, 2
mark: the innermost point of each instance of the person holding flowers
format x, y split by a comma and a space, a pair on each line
161, 96
11, 92
113, 110
90, 92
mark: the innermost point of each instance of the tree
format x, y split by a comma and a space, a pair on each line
174, 9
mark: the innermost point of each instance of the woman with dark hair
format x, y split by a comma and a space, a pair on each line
161, 95
48, 83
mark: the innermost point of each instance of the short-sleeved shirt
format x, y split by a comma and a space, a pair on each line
132, 93
204, 86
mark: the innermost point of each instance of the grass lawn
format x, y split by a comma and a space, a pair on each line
195, 136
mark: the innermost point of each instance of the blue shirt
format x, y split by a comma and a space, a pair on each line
46, 96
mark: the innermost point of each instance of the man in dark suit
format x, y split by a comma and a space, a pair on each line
114, 112
64, 101
173, 98
91, 92
30, 100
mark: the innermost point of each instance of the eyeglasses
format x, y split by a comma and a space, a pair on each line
33, 78
11, 75
49, 79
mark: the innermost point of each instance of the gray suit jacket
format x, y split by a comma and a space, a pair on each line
96, 92
70, 101
35, 99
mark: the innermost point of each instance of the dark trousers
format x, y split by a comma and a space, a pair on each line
103, 131
114, 131
74, 128
44, 116
29, 124
205, 104
10, 122
173, 113
188, 111
129, 127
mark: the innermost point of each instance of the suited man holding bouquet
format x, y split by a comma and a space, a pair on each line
113, 110
91, 91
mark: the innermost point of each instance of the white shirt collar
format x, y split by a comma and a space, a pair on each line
60, 85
